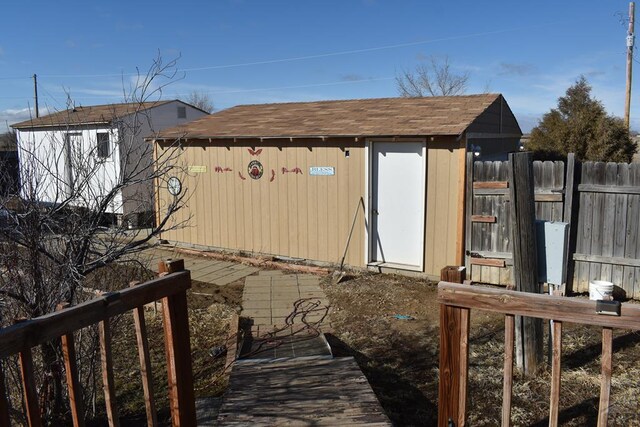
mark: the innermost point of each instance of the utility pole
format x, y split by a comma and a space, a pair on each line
630, 40
35, 93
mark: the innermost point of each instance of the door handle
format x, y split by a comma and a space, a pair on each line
375, 212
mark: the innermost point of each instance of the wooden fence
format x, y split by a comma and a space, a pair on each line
601, 201
456, 301
171, 288
608, 226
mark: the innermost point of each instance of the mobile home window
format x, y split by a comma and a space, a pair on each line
103, 145
182, 112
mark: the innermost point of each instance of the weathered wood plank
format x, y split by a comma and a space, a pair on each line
604, 260
620, 231
605, 379
536, 305
490, 185
609, 219
488, 262
483, 218
603, 188
525, 257
310, 391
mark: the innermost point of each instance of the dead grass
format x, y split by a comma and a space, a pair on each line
400, 359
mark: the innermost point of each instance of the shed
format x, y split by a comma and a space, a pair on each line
288, 179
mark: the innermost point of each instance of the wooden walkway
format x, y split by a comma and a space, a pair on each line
303, 391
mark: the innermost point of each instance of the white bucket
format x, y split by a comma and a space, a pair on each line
600, 289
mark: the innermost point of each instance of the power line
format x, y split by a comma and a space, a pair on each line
224, 92
304, 57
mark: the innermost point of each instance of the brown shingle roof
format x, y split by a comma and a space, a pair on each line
92, 114
444, 115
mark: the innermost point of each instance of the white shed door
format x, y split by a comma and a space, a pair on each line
397, 203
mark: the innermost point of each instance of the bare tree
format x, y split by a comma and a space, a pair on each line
202, 100
50, 247
435, 78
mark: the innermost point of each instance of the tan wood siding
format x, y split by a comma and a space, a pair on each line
294, 215
443, 175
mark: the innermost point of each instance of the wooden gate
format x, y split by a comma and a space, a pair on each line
488, 231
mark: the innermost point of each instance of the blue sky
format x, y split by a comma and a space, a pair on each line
243, 52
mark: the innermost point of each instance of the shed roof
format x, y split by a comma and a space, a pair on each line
443, 115
93, 114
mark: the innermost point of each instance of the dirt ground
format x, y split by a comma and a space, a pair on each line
400, 359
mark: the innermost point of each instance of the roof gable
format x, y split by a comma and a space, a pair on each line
445, 115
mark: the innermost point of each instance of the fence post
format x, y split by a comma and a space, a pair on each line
178, 349
529, 343
570, 216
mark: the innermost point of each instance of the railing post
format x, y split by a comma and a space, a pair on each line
29, 386
71, 370
454, 336
108, 382
145, 363
178, 349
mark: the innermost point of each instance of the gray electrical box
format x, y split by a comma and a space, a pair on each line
552, 240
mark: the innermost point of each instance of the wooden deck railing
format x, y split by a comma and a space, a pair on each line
170, 287
456, 300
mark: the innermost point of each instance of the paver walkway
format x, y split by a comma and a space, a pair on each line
202, 269
274, 299
286, 374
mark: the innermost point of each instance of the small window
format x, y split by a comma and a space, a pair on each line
182, 112
103, 145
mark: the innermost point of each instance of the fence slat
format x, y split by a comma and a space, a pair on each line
71, 371
507, 382
107, 373
145, 364
556, 373
605, 380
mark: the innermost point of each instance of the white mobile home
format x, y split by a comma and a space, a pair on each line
91, 148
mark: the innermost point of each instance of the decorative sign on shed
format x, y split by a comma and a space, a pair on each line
197, 169
322, 171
